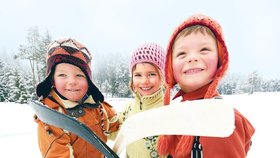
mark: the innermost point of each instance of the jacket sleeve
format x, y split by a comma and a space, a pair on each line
248, 131
113, 123
121, 117
53, 141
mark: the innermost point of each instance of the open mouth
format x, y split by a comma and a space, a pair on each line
193, 71
146, 88
72, 90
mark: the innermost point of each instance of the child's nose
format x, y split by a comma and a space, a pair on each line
145, 79
192, 58
72, 80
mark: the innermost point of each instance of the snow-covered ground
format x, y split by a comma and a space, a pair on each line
18, 130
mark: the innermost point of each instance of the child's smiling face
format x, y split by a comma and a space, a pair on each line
70, 81
146, 79
194, 60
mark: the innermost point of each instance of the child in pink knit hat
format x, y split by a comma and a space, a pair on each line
147, 84
196, 60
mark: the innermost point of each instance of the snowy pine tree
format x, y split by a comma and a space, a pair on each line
123, 80
2, 82
19, 89
27, 79
111, 74
6, 72
254, 82
14, 86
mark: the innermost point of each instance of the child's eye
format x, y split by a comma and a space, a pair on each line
204, 50
80, 75
152, 74
179, 54
61, 75
137, 75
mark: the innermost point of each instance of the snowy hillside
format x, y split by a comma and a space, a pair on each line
18, 130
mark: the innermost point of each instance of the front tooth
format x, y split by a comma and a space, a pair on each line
146, 88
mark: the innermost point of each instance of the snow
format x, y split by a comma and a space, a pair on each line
18, 130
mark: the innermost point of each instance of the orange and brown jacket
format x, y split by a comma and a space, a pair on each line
56, 142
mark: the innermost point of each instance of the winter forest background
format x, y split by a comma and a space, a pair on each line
110, 73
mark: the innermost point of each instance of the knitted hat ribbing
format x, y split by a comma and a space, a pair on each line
197, 19
72, 52
149, 52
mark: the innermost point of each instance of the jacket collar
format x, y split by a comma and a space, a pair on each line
149, 100
198, 94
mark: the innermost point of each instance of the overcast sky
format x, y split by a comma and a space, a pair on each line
251, 27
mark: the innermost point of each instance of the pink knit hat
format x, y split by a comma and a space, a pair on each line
150, 53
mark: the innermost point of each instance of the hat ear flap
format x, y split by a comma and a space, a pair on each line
44, 88
95, 93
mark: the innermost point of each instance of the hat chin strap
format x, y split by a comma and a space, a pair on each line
95, 93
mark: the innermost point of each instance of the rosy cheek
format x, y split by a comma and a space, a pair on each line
176, 70
60, 89
212, 60
55, 84
84, 84
212, 65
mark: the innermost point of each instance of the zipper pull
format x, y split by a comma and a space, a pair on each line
197, 149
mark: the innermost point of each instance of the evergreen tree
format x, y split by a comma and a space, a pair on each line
18, 91
274, 85
228, 85
254, 82
30, 90
11, 91
113, 80
2, 81
5, 72
123, 80
24, 95
111, 74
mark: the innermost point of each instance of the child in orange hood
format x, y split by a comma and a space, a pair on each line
69, 89
196, 60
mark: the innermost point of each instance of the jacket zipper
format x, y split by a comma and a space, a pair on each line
197, 149
140, 105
